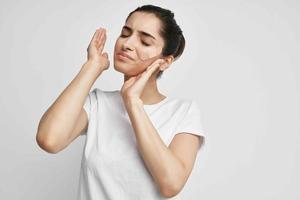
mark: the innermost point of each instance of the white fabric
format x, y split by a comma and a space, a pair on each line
111, 167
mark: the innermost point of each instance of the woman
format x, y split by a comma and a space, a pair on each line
140, 143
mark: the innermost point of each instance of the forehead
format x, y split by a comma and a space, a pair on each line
142, 21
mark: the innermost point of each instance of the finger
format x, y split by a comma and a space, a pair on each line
102, 42
131, 80
156, 63
151, 60
144, 64
94, 38
99, 35
100, 38
105, 54
149, 71
153, 67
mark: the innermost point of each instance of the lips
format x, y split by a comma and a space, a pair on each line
125, 55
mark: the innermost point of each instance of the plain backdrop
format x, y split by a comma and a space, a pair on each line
241, 63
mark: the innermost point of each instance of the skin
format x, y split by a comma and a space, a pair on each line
135, 44
170, 166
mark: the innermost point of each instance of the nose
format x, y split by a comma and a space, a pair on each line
128, 44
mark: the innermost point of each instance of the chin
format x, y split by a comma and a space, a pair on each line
126, 68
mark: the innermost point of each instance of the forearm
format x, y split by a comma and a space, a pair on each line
60, 118
163, 165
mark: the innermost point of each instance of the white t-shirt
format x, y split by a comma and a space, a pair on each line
111, 167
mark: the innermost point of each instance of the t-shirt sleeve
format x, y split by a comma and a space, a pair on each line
192, 121
88, 105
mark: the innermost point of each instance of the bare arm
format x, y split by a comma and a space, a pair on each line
57, 125
165, 167
170, 166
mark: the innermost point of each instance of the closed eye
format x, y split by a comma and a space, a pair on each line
144, 43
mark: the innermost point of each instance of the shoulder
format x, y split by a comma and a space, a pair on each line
98, 91
109, 99
184, 104
100, 96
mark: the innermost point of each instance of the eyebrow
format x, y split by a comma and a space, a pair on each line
141, 32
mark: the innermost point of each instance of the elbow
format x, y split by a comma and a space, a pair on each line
46, 140
170, 190
173, 185
46, 145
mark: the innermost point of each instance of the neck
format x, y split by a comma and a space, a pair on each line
150, 94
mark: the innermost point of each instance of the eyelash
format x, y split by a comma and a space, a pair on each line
142, 41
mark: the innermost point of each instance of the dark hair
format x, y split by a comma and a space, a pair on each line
170, 31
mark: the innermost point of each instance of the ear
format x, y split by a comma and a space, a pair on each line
169, 60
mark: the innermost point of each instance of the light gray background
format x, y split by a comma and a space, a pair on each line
241, 63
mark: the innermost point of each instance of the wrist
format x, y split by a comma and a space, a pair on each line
92, 66
92, 63
134, 102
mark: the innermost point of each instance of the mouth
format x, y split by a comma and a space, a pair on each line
124, 57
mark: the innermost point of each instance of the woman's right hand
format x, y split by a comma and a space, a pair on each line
95, 48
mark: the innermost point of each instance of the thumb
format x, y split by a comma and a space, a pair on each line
105, 54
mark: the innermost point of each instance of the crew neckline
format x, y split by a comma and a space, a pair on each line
151, 105
156, 104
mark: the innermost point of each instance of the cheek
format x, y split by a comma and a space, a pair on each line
146, 57
117, 45
140, 64
146, 53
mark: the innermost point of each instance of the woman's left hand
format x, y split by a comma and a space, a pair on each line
134, 86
